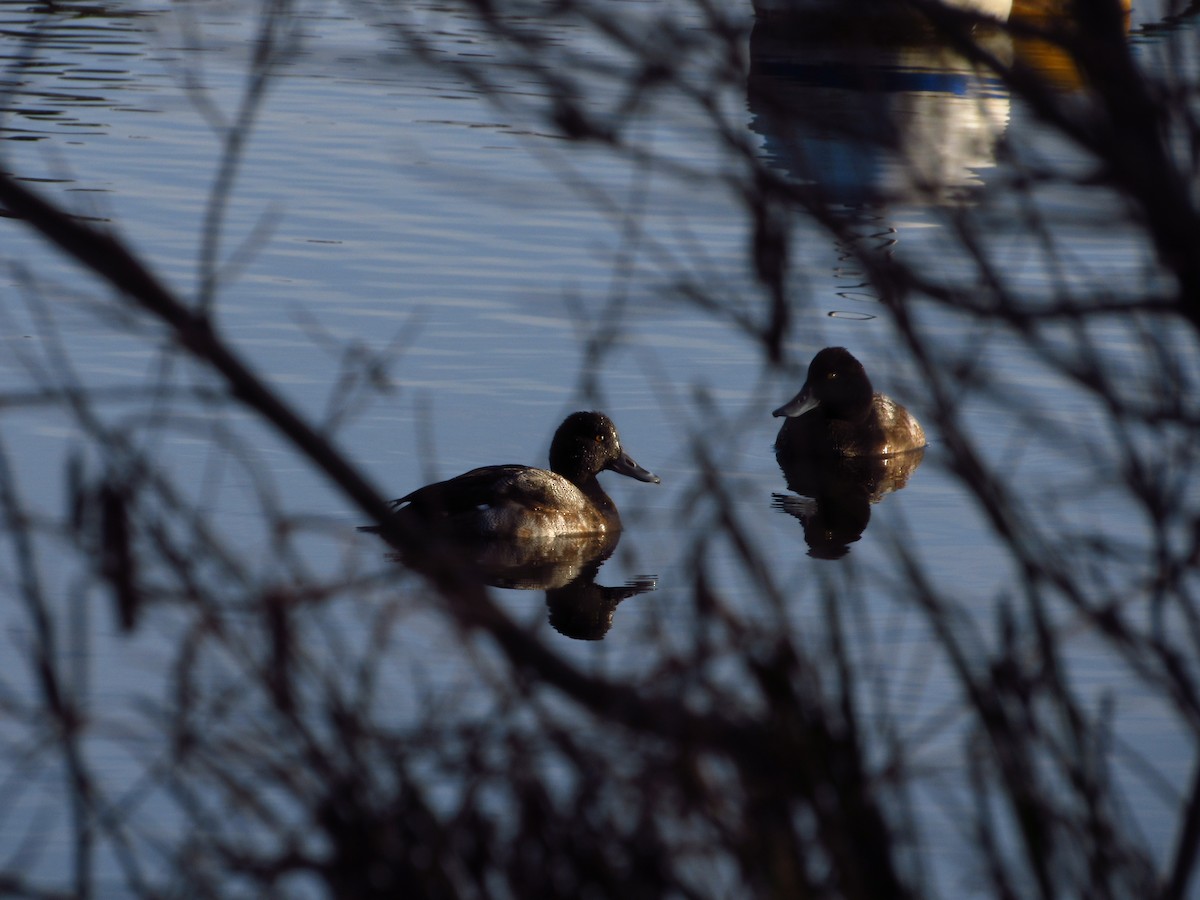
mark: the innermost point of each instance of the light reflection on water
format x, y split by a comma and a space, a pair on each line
398, 206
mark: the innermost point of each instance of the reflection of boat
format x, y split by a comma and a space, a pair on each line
860, 14
1048, 58
565, 567
868, 102
866, 117
833, 497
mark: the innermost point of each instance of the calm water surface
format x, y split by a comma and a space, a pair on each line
379, 201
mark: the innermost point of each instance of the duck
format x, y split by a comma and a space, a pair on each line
525, 503
838, 414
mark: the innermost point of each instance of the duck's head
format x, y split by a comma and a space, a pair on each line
586, 444
837, 385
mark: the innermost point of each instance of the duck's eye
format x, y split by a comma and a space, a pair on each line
600, 439
830, 376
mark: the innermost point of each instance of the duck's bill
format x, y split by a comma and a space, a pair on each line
798, 405
625, 465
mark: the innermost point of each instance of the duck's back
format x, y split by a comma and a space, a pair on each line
888, 429
508, 501
900, 430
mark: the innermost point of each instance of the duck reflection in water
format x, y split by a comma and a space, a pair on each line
566, 570
526, 528
565, 567
842, 447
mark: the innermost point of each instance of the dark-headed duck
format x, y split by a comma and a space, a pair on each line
838, 414
526, 503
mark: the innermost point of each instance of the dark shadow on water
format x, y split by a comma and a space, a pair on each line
584, 610
565, 567
832, 497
